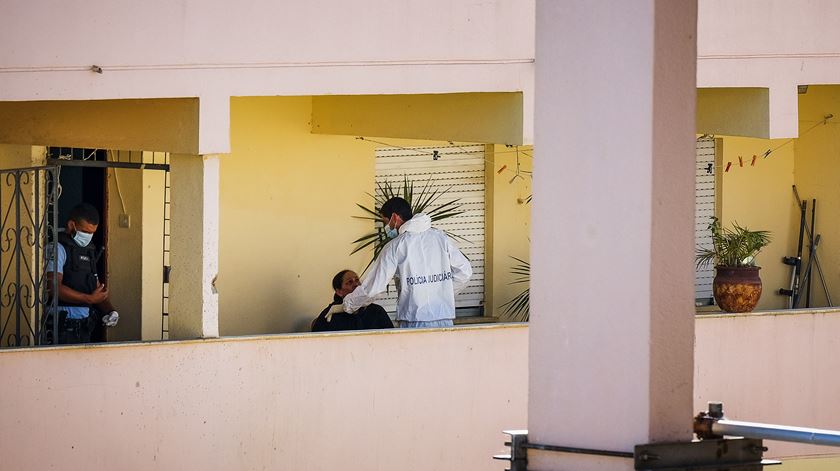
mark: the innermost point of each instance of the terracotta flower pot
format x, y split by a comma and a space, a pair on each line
737, 289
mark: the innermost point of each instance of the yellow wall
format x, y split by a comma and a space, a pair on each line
470, 117
760, 198
135, 253
159, 124
818, 176
733, 111
508, 223
287, 197
287, 201
125, 250
152, 285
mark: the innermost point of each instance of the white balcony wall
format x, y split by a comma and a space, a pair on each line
772, 367
400, 399
377, 400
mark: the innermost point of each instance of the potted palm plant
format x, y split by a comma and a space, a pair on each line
737, 285
423, 199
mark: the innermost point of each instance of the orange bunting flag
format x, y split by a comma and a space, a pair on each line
502, 169
752, 164
728, 164
740, 161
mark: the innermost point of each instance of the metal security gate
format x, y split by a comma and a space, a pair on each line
28, 233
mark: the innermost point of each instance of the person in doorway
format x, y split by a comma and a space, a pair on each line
333, 318
429, 268
81, 297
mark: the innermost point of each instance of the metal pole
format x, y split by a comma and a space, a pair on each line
812, 249
806, 277
816, 255
784, 433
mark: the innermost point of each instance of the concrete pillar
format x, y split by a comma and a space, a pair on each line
612, 290
194, 245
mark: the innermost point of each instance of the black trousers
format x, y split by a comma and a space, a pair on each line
72, 331
76, 331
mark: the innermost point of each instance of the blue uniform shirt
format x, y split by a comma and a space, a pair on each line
73, 312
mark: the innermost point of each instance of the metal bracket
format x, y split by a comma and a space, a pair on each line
518, 455
721, 454
741, 454
519, 447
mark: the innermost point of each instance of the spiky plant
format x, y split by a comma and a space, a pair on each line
518, 309
736, 247
425, 200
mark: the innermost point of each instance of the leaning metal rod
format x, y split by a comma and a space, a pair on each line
584, 451
816, 256
785, 433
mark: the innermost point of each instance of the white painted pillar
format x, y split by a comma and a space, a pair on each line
194, 245
612, 289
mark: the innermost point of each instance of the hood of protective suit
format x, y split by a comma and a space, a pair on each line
429, 268
419, 223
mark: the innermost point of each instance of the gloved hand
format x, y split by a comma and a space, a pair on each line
111, 319
336, 309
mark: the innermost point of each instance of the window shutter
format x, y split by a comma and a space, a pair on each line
704, 210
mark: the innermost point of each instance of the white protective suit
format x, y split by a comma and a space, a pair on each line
430, 270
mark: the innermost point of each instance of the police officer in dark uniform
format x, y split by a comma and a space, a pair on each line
82, 299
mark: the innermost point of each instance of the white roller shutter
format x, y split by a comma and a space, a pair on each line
704, 210
462, 169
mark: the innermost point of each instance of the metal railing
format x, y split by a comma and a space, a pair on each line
28, 235
724, 445
713, 424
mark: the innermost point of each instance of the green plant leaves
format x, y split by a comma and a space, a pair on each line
736, 247
422, 201
518, 309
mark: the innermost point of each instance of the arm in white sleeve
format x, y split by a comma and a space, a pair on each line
461, 268
375, 282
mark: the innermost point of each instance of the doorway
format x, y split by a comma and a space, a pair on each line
84, 185
130, 189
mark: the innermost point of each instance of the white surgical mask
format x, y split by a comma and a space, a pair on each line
83, 238
391, 232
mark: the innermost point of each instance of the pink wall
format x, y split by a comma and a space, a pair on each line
379, 401
408, 400
188, 32
164, 48
612, 238
217, 49
776, 368
777, 27
774, 44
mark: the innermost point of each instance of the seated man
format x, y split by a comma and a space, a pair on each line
334, 318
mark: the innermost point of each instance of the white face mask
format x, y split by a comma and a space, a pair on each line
391, 232
83, 238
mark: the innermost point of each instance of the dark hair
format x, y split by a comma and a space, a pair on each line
338, 279
399, 206
84, 212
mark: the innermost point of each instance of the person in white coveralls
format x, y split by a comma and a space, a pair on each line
429, 270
